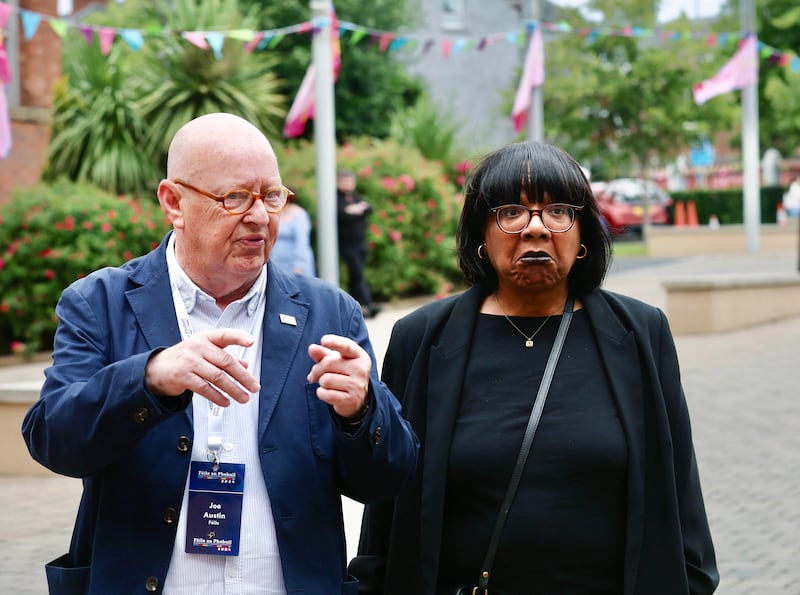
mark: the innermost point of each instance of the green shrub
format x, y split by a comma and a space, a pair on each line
51, 235
728, 204
415, 213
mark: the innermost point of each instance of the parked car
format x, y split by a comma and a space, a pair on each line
622, 201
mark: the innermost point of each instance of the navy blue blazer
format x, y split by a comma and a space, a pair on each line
668, 544
97, 420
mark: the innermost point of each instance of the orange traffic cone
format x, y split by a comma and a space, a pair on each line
691, 214
680, 214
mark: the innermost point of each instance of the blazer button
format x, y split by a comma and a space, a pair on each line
184, 444
151, 584
170, 514
141, 415
376, 436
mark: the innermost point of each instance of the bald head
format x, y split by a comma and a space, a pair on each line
213, 140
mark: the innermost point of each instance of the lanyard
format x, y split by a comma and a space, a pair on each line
215, 433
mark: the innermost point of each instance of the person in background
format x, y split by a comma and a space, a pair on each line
216, 406
353, 218
609, 499
791, 199
292, 249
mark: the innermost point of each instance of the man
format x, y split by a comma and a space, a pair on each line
353, 216
215, 406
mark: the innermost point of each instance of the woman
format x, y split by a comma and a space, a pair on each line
292, 250
609, 501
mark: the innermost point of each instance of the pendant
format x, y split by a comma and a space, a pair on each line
529, 343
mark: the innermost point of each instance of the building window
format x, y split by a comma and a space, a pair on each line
454, 15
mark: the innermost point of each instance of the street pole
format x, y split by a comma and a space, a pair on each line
536, 110
750, 142
325, 143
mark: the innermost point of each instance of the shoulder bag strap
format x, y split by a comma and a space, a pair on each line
527, 442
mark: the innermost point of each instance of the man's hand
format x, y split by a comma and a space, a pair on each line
342, 371
201, 364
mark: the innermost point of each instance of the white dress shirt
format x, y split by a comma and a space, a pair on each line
257, 568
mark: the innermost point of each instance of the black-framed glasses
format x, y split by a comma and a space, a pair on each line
239, 201
556, 217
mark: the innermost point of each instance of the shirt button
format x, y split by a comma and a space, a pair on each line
184, 444
141, 415
376, 436
151, 584
170, 514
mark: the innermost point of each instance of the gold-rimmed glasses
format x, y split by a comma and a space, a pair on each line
240, 200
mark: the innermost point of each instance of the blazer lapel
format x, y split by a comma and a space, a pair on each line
447, 362
285, 319
151, 301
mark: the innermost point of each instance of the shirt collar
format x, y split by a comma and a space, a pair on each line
190, 293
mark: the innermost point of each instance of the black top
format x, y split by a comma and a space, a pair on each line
352, 228
566, 529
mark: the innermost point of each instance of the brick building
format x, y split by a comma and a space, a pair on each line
35, 66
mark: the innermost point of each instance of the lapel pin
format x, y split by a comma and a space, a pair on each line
288, 319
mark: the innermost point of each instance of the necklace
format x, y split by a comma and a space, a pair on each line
528, 340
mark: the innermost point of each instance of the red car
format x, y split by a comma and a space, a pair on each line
622, 202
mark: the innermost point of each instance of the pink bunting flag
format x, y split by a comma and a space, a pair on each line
5, 12
106, 37
304, 102
196, 38
532, 76
739, 72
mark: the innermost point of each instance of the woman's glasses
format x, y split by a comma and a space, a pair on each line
556, 217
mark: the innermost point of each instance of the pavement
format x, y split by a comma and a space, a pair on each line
742, 389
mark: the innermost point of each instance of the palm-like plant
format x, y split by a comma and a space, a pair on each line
115, 115
97, 128
177, 81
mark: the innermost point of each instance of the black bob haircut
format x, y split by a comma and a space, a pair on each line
537, 169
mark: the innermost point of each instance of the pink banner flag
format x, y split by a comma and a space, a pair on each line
302, 107
532, 76
5, 125
739, 72
304, 102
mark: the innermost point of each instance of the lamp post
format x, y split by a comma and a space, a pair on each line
750, 145
325, 143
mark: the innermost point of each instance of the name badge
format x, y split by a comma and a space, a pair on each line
214, 515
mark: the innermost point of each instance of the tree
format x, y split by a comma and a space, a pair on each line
115, 115
622, 103
372, 85
779, 87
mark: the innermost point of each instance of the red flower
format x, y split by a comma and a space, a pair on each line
49, 274
2, 264
395, 235
46, 252
4, 308
69, 221
388, 183
365, 172
106, 227
408, 181
17, 347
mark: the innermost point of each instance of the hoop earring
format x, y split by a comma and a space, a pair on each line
482, 256
582, 253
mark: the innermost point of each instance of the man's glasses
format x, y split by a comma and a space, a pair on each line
556, 217
238, 201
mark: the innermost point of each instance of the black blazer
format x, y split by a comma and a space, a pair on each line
668, 543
